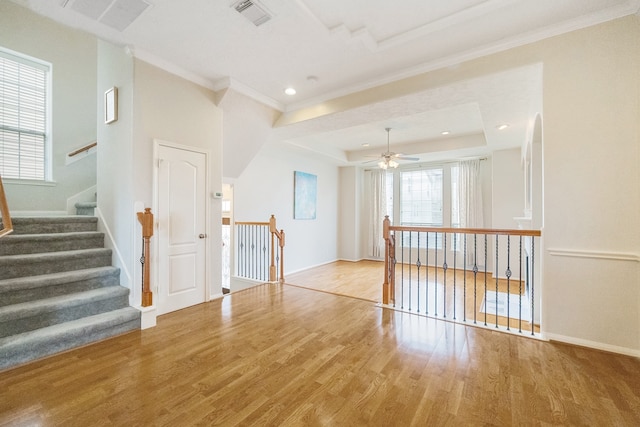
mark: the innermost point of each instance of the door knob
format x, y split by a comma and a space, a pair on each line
202, 236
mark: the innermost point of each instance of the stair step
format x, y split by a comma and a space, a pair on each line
52, 242
32, 345
53, 224
13, 266
23, 289
86, 208
28, 316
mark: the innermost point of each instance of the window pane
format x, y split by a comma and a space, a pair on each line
421, 198
421, 205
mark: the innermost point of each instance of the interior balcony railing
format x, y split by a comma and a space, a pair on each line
480, 277
7, 226
258, 256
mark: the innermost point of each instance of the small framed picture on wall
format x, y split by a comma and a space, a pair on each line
111, 105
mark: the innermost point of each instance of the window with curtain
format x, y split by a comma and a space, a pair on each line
24, 115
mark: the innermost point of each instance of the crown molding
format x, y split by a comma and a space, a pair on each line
170, 67
231, 83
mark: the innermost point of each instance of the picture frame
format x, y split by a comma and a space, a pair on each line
111, 105
305, 191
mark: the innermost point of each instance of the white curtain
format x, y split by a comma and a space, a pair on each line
377, 189
470, 199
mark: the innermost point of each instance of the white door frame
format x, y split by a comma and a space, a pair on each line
157, 143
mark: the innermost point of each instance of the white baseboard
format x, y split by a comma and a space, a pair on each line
287, 273
241, 283
216, 296
111, 244
38, 213
147, 316
593, 344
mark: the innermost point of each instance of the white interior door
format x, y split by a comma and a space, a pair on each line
181, 230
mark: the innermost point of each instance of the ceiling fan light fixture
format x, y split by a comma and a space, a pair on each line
388, 163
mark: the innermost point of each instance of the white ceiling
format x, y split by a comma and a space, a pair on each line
348, 46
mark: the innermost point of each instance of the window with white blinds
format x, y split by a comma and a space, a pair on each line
24, 113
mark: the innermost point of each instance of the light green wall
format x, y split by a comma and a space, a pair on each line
115, 160
73, 55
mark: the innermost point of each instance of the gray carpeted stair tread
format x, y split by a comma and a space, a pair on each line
86, 208
12, 266
32, 345
22, 289
86, 204
16, 244
53, 224
19, 318
46, 280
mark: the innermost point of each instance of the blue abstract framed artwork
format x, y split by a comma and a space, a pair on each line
305, 189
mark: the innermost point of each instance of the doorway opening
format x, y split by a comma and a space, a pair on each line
227, 236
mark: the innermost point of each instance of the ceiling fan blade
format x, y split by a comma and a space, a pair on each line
403, 157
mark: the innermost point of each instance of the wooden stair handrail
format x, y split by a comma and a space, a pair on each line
146, 220
7, 226
83, 149
453, 230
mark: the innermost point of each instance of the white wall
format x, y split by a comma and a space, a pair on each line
266, 187
73, 55
246, 126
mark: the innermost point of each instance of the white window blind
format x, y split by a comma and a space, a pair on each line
23, 117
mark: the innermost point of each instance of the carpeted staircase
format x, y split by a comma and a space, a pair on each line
58, 289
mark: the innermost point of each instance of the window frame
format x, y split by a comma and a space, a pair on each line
47, 67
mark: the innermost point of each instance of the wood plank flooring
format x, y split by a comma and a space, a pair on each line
280, 355
363, 279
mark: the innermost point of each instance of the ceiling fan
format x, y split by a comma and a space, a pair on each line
388, 158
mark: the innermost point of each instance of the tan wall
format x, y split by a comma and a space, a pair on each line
169, 108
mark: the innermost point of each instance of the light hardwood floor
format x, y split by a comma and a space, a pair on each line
281, 355
363, 279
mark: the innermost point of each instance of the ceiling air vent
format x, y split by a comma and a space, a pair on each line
117, 14
254, 12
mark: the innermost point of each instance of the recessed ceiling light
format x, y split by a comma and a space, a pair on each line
502, 126
365, 144
445, 132
290, 91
